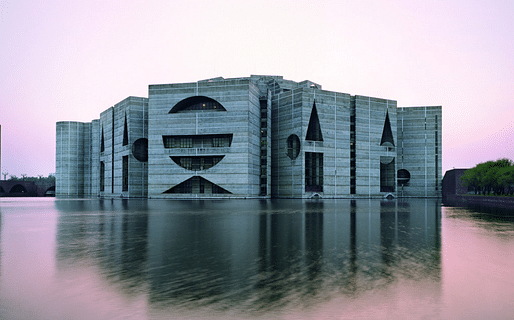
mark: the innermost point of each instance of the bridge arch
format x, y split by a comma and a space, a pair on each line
18, 188
50, 192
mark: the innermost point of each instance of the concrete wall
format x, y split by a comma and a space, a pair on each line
370, 114
287, 173
420, 151
238, 171
291, 116
334, 116
72, 157
257, 158
133, 112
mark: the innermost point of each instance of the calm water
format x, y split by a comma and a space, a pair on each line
251, 259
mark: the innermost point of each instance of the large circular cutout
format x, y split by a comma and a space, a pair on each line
140, 149
293, 146
403, 177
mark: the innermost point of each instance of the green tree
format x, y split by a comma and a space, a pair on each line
491, 177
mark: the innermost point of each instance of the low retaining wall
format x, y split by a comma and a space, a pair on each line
475, 200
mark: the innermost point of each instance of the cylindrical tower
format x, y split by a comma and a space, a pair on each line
69, 158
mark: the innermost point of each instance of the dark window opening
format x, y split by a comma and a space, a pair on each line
198, 141
140, 149
125, 174
202, 186
387, 174
197, 163
125, 132
403, 177
197, 103
293, 146
264, 147
353, 150
102, 143
314, 128
102, 176
436, 156
197, 185
314, 171
387, 133
218, 190
18, 188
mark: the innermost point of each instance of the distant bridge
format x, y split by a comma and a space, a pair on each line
20, 188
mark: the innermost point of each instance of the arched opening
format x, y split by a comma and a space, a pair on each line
196, 163
197, 103
50, 192
18, 188
293, 146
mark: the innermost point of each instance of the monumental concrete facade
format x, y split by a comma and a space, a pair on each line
252, 137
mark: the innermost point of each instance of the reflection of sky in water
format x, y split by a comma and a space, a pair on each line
285, 259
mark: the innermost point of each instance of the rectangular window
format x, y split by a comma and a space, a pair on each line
436, 156
125, 173
202, 185
102, 176
387, 174
168, 142
186, 163
313, 171
186, 142
217, 142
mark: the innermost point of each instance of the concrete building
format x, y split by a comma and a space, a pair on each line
452, 184
259, 136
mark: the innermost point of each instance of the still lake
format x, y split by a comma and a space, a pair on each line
253, 259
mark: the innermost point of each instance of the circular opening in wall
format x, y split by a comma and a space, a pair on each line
293, 146
140, 149
403, 177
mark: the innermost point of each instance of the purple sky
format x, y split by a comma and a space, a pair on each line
70, 60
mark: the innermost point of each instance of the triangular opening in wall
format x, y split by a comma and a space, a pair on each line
102, 143
197, 185
125, 132
387, 133
314, 129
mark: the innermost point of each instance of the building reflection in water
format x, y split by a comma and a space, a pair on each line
252, 254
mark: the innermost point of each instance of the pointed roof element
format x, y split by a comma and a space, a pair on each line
314, 129
387, 133
187, 186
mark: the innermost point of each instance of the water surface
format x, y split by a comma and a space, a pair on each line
252, 259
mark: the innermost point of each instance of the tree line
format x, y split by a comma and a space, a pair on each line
496, 177
40, 178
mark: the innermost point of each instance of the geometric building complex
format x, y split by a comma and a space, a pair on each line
259, 136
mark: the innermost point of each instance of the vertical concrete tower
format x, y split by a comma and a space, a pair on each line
73, 157
420, 151
205, 139
123, 145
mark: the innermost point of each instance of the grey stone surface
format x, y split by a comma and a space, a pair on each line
260, 112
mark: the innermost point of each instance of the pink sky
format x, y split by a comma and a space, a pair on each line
70, 60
